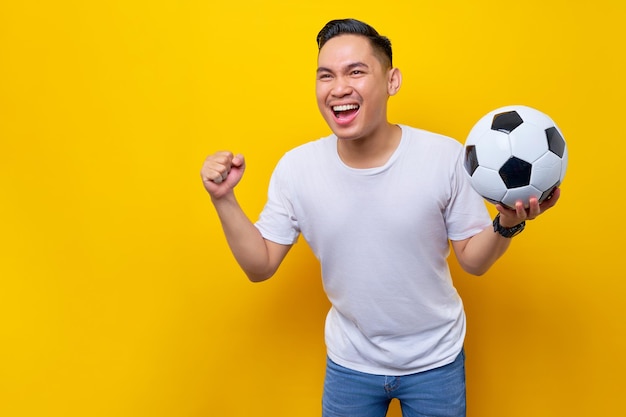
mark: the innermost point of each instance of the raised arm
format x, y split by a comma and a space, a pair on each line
257, 257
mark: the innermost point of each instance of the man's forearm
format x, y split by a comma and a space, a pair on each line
244, 239
478, 253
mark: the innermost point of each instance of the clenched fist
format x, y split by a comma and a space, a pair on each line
221, 172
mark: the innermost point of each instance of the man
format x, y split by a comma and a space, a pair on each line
379, 204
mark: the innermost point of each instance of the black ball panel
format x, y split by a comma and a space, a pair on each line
548, 193
556, 143
506, 122
471, 159
515, 173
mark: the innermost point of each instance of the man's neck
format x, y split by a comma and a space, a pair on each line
371, 151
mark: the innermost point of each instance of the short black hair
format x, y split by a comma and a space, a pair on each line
380, 44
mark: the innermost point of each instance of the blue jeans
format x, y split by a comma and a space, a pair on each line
438, 392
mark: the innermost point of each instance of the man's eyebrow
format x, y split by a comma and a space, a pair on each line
348, 67
356, 65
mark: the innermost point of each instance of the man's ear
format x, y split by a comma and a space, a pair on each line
394, 81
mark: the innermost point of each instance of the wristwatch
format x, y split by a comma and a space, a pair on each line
508, 232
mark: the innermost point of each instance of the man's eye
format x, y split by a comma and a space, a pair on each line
324, 76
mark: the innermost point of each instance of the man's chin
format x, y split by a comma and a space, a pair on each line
345, 132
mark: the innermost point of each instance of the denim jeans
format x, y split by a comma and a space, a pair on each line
438, 392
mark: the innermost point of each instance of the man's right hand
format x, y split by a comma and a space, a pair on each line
221, 172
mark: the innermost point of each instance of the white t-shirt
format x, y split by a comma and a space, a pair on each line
382, 238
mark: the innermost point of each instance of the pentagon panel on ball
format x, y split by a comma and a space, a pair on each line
515, 153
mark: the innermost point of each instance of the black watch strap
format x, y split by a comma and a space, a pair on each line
508, 232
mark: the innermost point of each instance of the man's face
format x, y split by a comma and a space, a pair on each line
352, 87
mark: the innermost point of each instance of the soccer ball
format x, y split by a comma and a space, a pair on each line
514, 153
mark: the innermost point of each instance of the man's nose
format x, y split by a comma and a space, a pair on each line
341, 87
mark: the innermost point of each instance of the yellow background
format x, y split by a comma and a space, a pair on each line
118, 295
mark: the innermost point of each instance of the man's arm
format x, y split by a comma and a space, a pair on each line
258, 257
478, 253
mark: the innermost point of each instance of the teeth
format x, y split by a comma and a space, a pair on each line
345, 107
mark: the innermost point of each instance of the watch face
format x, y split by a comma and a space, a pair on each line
513, 231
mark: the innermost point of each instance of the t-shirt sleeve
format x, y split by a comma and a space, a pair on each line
277, 221
466, 214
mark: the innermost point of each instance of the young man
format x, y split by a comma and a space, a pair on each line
379, 204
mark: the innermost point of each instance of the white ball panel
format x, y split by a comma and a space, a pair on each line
493, 149
564, 161
520, 193
528, 142
488, 183
546, 171
534, 117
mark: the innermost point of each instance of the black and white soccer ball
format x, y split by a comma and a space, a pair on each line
514, 153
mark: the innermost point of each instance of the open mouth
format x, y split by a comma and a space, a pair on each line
345, 111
